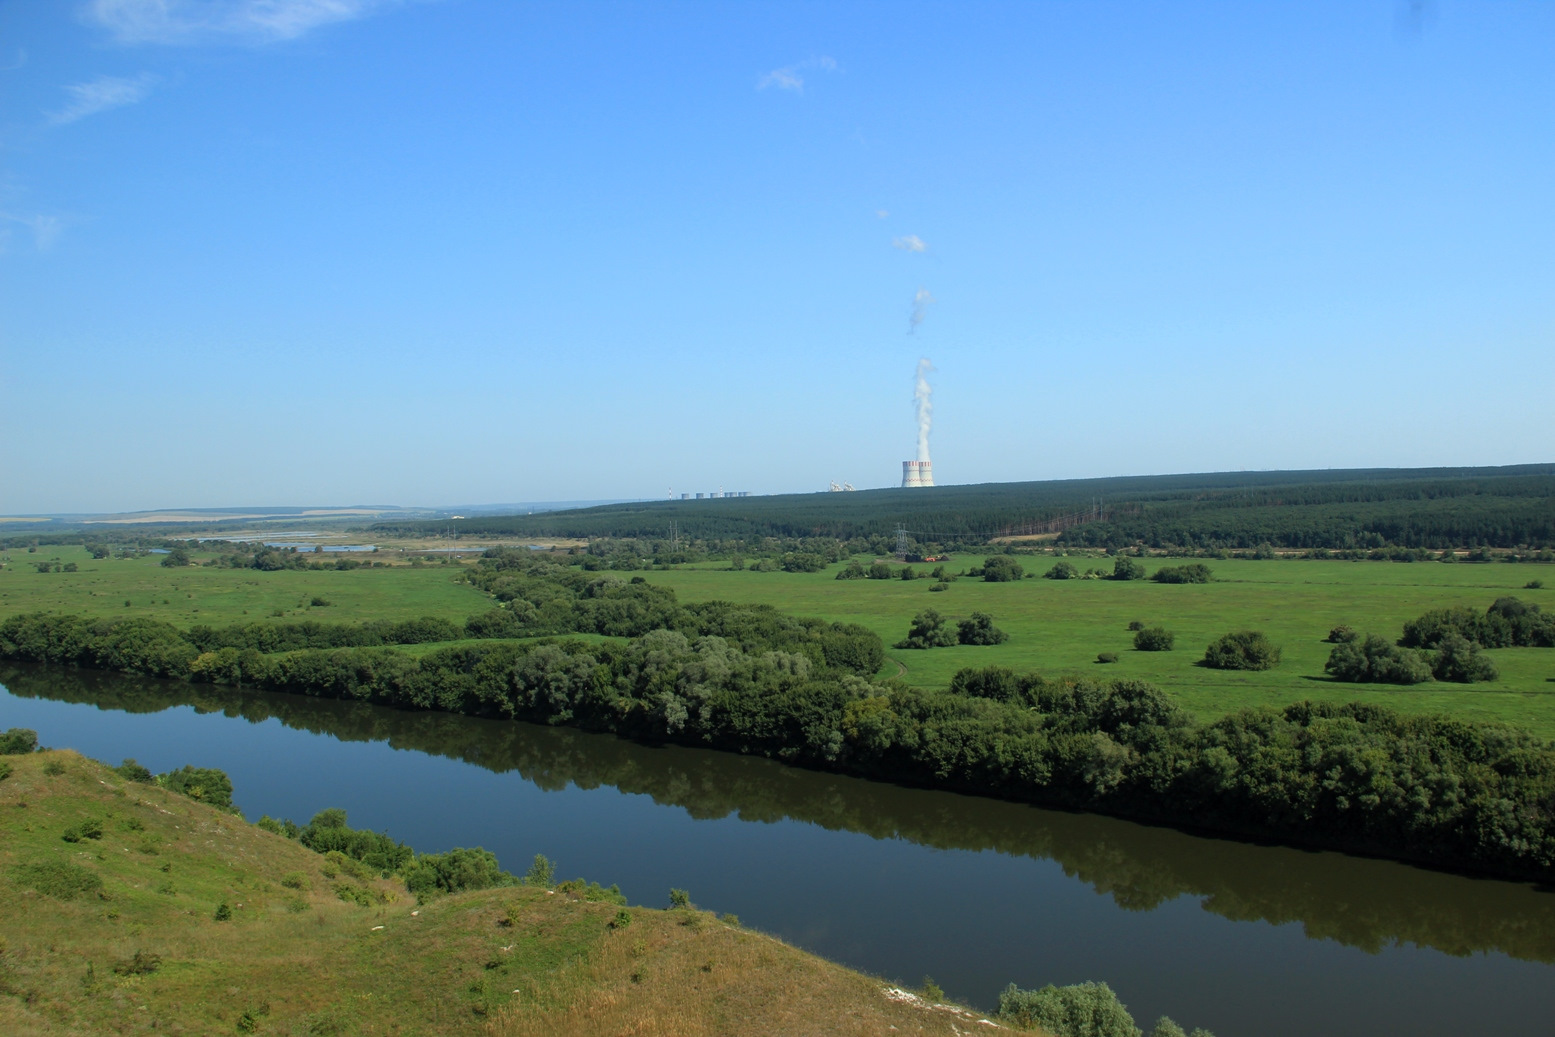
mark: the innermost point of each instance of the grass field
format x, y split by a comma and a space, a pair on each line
1059, 626
119, 934
1055, 626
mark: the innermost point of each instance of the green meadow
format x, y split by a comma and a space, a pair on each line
1055, 626
1059, 626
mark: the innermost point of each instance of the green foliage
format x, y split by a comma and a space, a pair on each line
53, 877
1154, 639
542, 872
880, 571
593, 892
1002, 569
1062, 571
852, 571
622, 919
18, 741
1341, 635
129, 770
295, 880
5, 770
932, 991
91, 828
1508, 623
1126, 568
1374, 660
206, 784
928, 630
979, 630
455, 871
175, 558
1458, 660
1195, 572
328, 833
223, 913
1242, 650
679, 898
1080, 1010
1106, 657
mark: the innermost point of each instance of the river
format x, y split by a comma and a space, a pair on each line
1241, 939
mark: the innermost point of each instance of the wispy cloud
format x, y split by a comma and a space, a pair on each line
920, 309
881, 214
910, 243
791, 77
45, 229
207, 21
101, 95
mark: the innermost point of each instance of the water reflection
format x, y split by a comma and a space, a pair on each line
1367, 904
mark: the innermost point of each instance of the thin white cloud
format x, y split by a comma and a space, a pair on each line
791, 77
45, 229
910, 243
208, 21
881, 214
102, 94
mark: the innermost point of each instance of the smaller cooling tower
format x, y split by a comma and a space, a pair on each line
917, 473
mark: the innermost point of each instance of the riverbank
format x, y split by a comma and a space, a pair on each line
125, 932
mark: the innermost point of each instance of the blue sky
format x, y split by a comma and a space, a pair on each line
337, 251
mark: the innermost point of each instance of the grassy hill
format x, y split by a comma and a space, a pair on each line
125, 932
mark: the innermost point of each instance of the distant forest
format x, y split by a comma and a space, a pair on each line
1435, 508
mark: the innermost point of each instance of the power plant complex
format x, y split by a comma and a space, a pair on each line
917, 473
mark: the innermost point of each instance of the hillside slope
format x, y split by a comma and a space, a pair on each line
124, 932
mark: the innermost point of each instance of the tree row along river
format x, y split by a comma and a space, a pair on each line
1242, 938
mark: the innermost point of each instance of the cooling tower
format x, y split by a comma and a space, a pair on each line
917, 473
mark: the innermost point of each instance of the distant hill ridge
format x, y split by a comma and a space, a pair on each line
1505, 507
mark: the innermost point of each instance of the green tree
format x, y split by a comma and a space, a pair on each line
175, 558
1002, 569
1242, 650
1154, 639
928, 630
1062, 571
1126, 568
979, 630
1080, 1010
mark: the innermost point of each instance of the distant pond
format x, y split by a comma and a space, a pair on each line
1246, 940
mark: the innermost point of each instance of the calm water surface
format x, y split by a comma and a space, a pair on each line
1245, 940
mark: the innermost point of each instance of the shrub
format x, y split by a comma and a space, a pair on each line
1375, 661
851, 571
206, 784
1081, 1010
1137, 624
455, 871
1002, 569
979, 630
1242, 650
1341, 635
62, 880
879, 571
622, 919
1154, 639
5, 770
1126, 568
18, 741
932, 991
542, 872
129, 770
1533, 585
223, 913
1062, 571
1107, 657
1197, 572
1458, 660
88, 829
928, 630
295, 880
54, 768
320, 603
680, 898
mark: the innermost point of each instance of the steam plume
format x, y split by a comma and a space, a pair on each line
925, 407
920, 304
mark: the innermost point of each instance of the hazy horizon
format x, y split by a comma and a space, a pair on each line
468, 250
